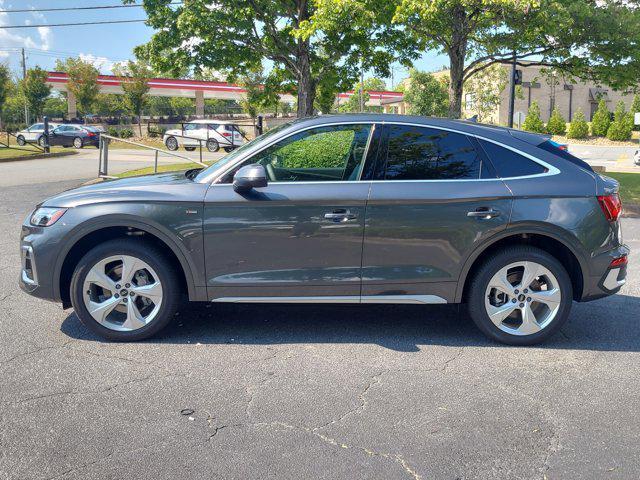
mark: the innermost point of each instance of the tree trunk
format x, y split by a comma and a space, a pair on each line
457, 55
306, 84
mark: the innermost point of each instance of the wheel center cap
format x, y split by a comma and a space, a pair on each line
123, 292
521, 298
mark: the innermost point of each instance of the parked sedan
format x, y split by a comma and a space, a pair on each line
76, 136
33, 134
362, 209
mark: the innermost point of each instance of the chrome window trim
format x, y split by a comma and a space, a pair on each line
551, 170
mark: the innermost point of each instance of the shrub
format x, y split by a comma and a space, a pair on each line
156, 132
578, 128
126, 133
622, 125
557, 124
533, 123
114, 132
601, 120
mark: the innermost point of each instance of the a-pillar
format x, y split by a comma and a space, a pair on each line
72, 109
199, 103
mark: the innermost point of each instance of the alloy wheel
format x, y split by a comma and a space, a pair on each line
122, 293
213, 145
523, 298
77, 142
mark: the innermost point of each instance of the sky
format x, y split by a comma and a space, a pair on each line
103, 45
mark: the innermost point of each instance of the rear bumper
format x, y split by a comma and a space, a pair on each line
610, 280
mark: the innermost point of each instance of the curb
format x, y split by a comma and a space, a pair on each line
38, 156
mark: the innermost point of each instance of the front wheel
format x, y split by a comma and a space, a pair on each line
41, 141
171, 143
125, 290
520, 296
229, 149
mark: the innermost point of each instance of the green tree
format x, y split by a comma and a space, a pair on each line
5, 86
593, 40
55, 107
299, 36
352, 104
426, 95
327, 92
622, 125
486, 88
82, 83
601, 120
181, 106
136, 87
109, 104
533, 123
578, 128
35, 90
556, 125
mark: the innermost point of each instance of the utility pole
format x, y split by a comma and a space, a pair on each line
24, 76
512, 90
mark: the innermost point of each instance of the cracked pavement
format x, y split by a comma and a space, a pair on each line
299, 391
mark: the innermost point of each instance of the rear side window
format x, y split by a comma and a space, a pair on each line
418, 153
552, 147
509, 163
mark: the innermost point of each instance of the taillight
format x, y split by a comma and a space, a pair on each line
618, 262
91, 134
226, 134
611, 206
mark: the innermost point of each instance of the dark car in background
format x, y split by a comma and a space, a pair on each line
362, 209
77, 136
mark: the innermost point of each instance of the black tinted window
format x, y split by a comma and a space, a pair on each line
417, 153
552, 147
509, 163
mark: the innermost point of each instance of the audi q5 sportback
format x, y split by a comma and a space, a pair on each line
364, 209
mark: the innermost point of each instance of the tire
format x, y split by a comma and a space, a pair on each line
487, 295
152, 267
21, 141
213, 145
189, 149
229, 149
78, 143
41, 141
171, 143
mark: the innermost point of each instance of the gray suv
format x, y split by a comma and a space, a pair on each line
340, 209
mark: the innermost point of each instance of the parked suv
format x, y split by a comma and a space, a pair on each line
33, 134
364, 209
213, 134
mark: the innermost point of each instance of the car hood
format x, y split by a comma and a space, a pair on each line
163, 187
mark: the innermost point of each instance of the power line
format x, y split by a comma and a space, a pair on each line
66, 9
71, 24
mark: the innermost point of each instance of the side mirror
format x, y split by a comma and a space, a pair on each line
248, 177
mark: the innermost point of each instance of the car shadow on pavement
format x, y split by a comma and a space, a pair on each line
609, 325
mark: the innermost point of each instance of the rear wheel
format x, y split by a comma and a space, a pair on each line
521, 296
125, 290
171, 143
77, 142
41, 141
21, 141
213, 145
189, 149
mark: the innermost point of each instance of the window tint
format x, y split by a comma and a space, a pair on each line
552, 147
320, 154
418, 153
192, 126
37, 126
509, 163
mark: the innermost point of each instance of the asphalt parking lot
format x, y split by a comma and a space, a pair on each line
269, 391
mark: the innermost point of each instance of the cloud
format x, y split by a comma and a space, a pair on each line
103, 64
40, 38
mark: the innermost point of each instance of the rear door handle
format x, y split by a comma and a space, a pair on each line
484, 213
340, 215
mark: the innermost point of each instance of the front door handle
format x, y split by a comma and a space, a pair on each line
340, 215
484, 213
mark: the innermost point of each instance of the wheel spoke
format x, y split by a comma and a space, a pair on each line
153, 292
531, 271
529, 323
130, 265
551, 298
97, 277
500, 282
100, 310
134, 318
498, 314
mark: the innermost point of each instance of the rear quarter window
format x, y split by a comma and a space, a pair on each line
509, 163
552, 147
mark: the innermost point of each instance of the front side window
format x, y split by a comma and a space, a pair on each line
191, 126
331, 153
37, 126
420, 153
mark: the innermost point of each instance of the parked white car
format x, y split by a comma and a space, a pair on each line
214, 134
33, 134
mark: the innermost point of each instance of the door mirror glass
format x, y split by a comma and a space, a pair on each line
248, 177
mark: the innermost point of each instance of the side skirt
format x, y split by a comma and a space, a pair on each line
396, 299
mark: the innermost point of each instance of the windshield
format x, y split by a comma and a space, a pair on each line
229, 158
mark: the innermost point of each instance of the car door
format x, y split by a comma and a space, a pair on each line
34, 132
299, 238
434, 199
57, 135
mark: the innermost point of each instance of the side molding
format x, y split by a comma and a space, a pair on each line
393, 299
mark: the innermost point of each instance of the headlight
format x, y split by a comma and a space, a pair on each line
46, 216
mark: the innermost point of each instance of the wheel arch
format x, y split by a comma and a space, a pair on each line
550, 240
88, 236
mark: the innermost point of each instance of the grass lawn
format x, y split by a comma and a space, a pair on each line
172, 167
151, 142
25, 152
629, 186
